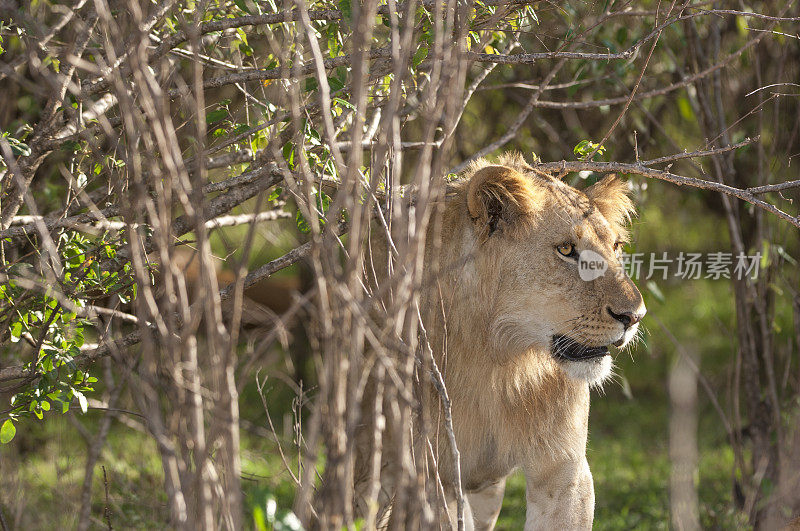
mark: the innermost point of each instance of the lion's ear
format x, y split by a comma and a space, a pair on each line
611, 197
500, 198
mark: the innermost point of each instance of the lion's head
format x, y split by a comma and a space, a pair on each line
545, 260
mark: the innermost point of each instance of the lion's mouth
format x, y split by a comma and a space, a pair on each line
570, 350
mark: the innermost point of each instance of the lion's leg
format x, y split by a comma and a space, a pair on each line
486, 504
560, 496
452, 512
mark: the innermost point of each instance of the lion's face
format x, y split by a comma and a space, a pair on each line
557, 283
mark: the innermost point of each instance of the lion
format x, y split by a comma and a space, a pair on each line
521, 332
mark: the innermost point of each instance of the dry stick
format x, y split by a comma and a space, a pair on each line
231, 221
652, 93
701, 153
28, 224
470, 91
532, 57
106, 508
279, 72
159, 135
639, 169
14, 373
774, 187
145, 27
701, 378
531, 84
438, 382
260, 386
105, 224
385, 52
171, 42
683, 451
633, 91
86, 358
83, 359
224, 429
753, 190
42, 41
92, 455
512, 131
500, 59
15, 191
748, 14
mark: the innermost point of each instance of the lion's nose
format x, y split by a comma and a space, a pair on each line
627, 319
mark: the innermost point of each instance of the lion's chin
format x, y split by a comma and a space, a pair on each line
594, 371
581, 362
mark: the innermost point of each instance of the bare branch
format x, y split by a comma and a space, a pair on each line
701, 153
640, 169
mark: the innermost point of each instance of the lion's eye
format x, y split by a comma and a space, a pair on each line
566, 249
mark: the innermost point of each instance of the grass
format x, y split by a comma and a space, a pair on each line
627, 452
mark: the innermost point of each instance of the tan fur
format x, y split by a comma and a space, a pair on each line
497, 292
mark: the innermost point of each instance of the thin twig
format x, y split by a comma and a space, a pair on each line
639, 169
106, 508
700, 153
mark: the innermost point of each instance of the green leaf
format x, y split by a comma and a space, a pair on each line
245, 49
18, 148
71, 145
288, 154
335, 84
302, 224
741, 26
16, 331
344, 103
622, 35
586, 147
347, 11
216, 116
685, 109
310, 84
323, 201
419, 55
248, 6
259, 521
7, 432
